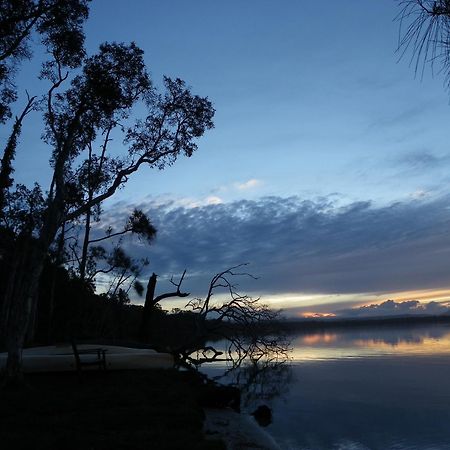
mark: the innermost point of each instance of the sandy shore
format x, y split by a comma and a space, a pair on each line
238, 431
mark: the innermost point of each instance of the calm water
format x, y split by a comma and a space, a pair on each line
367, 388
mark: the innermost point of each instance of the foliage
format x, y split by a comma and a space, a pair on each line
82, 110
24, 209
425, 32
58, 23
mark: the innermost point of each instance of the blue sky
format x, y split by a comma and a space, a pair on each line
312, 105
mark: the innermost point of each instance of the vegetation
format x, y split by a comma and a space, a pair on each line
89, 99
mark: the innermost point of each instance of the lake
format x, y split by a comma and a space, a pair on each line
365, 388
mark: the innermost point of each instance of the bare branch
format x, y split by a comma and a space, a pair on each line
242, 321
177, 293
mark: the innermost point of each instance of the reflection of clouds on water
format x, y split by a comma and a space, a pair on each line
366, 341
393, 341
348, 390
361, 403
318, 338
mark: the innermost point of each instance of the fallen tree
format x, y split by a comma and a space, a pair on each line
224, 326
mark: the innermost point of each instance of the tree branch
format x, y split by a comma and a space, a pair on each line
177, 293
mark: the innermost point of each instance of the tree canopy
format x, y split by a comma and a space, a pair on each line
59, 25
90, 99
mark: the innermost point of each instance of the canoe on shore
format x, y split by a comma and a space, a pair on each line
60, 358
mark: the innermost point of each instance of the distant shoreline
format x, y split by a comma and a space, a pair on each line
296, 325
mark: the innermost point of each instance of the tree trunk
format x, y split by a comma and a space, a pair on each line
19, 300
84, 254
32, 323
148, 307
22, 288
51, 296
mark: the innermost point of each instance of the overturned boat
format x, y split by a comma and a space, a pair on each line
61, 358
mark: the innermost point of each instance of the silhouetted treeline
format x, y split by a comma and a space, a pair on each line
69, 308
295, 326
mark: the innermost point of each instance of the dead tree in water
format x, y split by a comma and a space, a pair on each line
247, 326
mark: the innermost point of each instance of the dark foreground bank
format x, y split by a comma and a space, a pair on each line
118, 410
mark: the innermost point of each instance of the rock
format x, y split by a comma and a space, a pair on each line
263, 415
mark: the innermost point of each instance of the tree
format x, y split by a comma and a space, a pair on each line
151, 301
248, 327
58, 23
137, 224
99, 98
425, 32
122, 269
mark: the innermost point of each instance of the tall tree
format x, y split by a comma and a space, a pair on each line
99, 98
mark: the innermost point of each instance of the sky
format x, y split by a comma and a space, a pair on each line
328, 166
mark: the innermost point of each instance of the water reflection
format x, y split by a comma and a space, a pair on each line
367, 388
261, 382
372, 341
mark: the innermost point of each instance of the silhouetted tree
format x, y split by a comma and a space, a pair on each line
122, 269
247, 326
101, 97
243, 324
137, 224
58, 23
152, 301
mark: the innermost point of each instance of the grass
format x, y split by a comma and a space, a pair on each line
151, 409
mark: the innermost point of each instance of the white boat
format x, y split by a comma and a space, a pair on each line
60, 358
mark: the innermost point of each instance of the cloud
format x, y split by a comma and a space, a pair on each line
422, 160
250, 184
167, 201
213, 200
393, 308
404, 118
419, 194
297, 245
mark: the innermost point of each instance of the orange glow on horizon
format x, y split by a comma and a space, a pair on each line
428, 295
316, 315
325, 303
